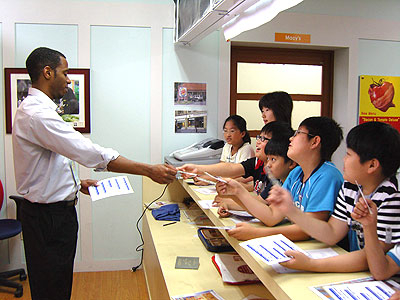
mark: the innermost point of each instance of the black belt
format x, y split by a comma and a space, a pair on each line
59, 204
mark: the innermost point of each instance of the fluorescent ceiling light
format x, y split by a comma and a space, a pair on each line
256, 15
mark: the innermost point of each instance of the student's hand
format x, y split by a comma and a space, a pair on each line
223, 210
199, 182
299, 260
243, 231
85, 183
395, 296
244, 180
191, 168
362, 215
281, 199
218, 200
231, 187
162, 173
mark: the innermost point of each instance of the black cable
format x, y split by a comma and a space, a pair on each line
140, 247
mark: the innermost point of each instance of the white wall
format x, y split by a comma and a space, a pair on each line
343, 35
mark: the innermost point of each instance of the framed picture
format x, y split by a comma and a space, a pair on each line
74, 107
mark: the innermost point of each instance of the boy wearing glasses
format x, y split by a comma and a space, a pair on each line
279, 167
251, 167
313, 185
370, 165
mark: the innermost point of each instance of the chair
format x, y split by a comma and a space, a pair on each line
8, 229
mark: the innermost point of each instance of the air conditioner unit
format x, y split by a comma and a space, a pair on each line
194, 19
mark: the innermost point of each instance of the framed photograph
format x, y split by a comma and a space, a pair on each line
74, 107
190, 121
190, 93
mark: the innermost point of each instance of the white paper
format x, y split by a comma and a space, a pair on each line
217, 227
206, 204
314, 253
372, 290
238, 219
240, 213
110, 187
270, 249
207, 190
210, 294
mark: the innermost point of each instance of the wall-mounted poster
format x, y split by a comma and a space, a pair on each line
186, 93
380, 99
190, 121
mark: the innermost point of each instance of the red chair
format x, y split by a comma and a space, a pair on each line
8, 229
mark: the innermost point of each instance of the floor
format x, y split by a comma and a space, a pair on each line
119, 285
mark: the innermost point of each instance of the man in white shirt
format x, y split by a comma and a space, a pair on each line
45, 148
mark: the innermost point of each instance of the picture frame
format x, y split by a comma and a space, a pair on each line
74, 107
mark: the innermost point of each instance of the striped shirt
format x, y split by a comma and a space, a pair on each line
387, 199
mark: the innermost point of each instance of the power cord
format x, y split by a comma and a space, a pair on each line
140, 247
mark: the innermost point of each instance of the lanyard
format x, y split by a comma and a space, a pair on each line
301, 189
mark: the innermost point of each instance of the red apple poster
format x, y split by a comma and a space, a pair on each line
380, 99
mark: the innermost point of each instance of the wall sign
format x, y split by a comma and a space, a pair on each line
292, 37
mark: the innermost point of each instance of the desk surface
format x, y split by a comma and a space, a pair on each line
281, 286
180, 239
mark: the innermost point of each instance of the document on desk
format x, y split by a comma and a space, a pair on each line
210, 294
358, 288
206, 190
109, 187
372, 290
206, 204
270, 249
314, 253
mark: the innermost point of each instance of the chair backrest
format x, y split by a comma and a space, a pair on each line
1, 195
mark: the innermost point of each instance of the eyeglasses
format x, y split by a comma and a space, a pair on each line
299, 131
232, 131
262, 138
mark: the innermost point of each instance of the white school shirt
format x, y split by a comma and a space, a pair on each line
243, 153
43, 147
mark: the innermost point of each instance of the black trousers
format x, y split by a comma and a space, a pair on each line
50, 234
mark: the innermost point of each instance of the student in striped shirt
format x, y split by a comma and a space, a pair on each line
381, 265
370, 164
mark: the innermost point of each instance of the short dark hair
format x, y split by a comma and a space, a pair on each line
376, 140
328, 130
40, 58
278, 129
280, 103
279, 146
241, 124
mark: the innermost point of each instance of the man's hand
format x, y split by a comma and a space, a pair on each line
281, 199
299, 261
243, 231
162, 173
85, 183
362, 215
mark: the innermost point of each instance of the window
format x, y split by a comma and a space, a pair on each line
305, 74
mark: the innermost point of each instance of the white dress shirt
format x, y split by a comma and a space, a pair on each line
246, 151
43, 147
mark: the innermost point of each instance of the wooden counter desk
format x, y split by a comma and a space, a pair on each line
163, 244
